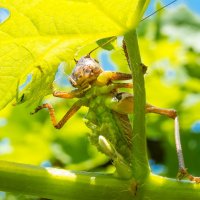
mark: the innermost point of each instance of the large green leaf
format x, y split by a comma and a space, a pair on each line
39, 34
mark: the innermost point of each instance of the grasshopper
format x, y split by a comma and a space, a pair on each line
108, 111
107, 116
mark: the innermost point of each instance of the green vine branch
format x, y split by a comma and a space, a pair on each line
61, 184
55, 183
140, 166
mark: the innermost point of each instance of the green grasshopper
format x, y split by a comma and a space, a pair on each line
107, 116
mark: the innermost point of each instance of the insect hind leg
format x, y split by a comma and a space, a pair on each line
171, 113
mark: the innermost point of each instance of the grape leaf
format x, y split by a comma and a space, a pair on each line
40, 34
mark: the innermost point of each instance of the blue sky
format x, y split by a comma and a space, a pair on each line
194, 5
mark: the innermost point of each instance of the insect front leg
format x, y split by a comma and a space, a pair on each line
70, 95
107, 77
75, 107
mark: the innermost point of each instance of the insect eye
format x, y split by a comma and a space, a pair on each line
87, 71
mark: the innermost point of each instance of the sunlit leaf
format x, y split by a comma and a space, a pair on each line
39, 34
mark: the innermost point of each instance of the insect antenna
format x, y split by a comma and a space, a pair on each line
115, 37
158, 10
100, 46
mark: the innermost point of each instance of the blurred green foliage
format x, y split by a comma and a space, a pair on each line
169, 46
